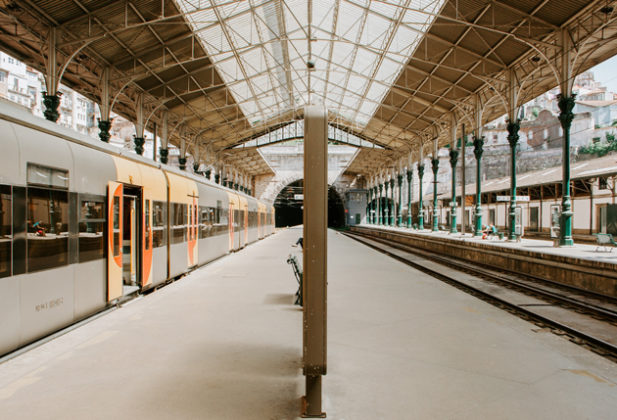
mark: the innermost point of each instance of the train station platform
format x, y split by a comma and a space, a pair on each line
586, 267
224, 342
585, 251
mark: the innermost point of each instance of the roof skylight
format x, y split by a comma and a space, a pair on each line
261, 50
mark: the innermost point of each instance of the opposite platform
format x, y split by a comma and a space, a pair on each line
578, 266
225, 343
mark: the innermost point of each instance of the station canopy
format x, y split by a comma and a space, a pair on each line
390, 72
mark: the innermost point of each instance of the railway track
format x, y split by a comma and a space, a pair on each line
588, 318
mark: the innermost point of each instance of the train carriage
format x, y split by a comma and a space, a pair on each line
84, 225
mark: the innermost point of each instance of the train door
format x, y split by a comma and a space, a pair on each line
243, 214
131, 239
114, 241
246, 224
230, 226
124, 244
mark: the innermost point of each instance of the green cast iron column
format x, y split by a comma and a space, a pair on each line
386, 207
380, 205
386, 210
478, 142
453, 161
435, 166
566, 104
409, 185
513, 137
399, 219
370, 205
375, 205
420, 204
392, 205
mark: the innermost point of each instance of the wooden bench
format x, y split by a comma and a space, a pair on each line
605, 240
298, 273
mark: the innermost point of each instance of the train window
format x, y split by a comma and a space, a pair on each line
147, 216
49, 177
116, 226
178, 223
47, 238
6, 230
195, 222
159, 224
91, 229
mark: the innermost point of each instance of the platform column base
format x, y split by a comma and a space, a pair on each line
311, 402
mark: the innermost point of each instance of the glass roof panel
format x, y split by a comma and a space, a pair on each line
358, 47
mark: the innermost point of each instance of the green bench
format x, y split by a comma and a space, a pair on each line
605, 240
293, 261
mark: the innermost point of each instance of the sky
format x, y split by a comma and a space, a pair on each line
606, 73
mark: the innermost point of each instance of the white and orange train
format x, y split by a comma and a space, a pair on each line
84, 224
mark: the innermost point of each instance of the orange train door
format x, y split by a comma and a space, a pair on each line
146, 278
231, 225
114, 240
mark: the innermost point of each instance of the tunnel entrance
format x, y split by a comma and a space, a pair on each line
288, 206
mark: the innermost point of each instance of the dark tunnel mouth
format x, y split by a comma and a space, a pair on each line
288, 209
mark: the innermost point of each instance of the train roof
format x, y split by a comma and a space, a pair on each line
19, 115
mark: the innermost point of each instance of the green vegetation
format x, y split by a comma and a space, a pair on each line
600, 148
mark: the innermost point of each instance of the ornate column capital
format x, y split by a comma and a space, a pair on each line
513, 127
478, 143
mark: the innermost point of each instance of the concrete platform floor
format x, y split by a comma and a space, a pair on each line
225, 343
584, 251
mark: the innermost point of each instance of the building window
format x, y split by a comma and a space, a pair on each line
603, 183
2, 76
